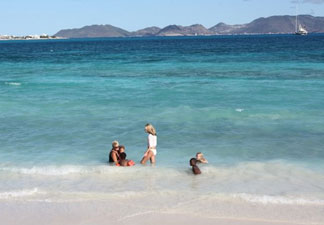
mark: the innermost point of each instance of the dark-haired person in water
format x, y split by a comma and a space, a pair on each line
195, 168
124, 162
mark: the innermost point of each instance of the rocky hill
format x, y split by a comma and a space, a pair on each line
93, 31
269, 25
222, 28
149, 31
175, 30
272, 25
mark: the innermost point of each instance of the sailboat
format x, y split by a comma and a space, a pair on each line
300, 30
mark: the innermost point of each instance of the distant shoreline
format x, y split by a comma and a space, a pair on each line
159, 37
33, 39
29, 37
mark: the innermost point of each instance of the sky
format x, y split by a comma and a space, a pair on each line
21, 17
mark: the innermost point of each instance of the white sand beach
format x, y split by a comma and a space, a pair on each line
160, 210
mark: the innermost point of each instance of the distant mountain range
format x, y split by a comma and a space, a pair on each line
269, 25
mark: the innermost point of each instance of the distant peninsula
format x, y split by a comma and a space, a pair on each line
269, 25
28, 37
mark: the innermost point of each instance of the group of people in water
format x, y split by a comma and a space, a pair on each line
118, 155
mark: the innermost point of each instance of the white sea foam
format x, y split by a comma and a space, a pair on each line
239, 110
267, 199
60, 196
20, 193
247, 169
50, 170
264, 181
71, 169
13, 83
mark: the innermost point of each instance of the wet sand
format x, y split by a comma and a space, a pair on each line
130, 211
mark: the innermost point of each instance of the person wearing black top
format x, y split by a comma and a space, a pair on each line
195, 168
114, 153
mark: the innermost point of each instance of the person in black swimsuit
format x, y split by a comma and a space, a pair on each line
114, 153
195, 168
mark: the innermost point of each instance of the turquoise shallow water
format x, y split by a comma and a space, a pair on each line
249, 102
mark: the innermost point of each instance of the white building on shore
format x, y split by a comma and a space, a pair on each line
28, 37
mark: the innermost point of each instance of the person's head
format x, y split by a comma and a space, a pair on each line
121, 148
193, 162
199, 155
150, 129
115, 144
122, 155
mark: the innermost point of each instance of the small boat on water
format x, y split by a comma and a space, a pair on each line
301, 30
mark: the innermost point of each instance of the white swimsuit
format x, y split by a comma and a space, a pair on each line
152, 142
154, 151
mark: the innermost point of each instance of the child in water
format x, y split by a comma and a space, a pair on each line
195, 168
200, 158
123, 161
122, 149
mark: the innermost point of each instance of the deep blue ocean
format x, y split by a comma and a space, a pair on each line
249, 103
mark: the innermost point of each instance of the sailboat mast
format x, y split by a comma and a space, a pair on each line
296, 17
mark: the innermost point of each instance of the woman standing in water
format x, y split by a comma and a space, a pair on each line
151, 144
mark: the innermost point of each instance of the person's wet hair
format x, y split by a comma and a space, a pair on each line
193, 162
